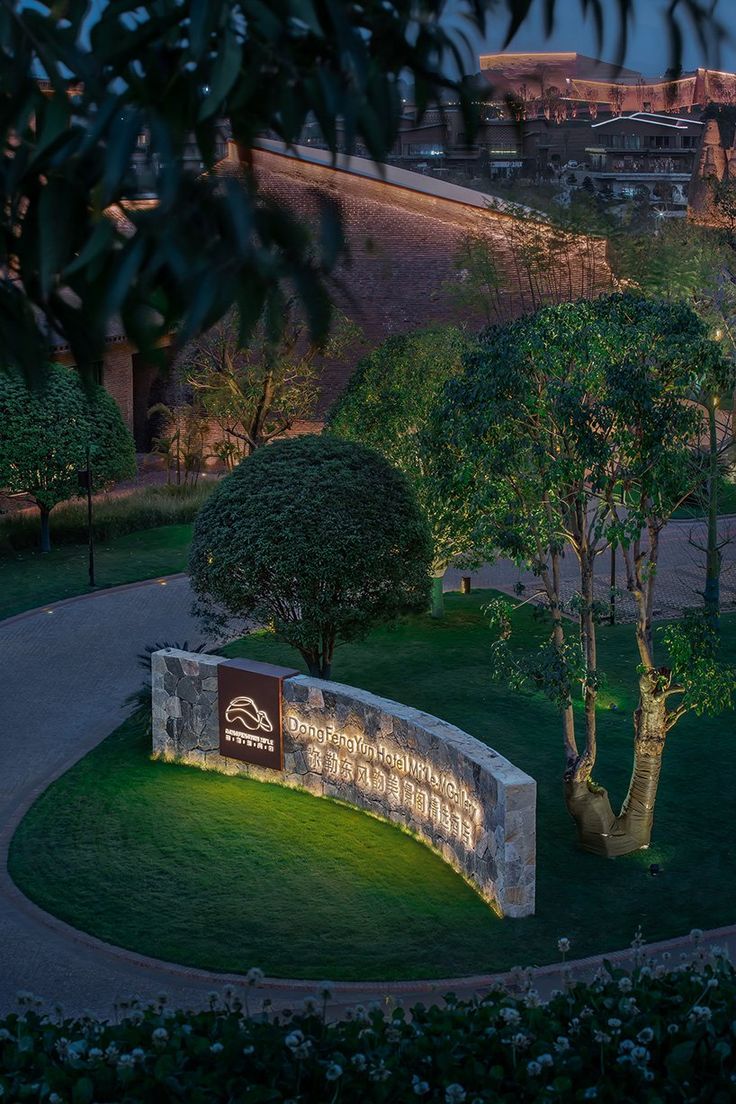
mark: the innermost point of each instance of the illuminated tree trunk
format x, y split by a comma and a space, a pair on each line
438, 595
586, 762
600, 830
45, 532
712, 591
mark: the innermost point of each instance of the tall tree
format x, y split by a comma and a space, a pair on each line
257, 392
691, 264
574, 428
46, 431
174, 71
386, 405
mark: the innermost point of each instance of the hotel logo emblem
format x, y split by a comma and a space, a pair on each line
249, 711
246, 711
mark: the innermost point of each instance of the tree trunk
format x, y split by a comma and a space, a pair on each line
599, 829
712, 591
45, 532
586, 762
438, 596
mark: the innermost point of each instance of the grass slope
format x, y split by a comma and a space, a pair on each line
29, 579
227, 873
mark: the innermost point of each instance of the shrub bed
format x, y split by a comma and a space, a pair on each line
113, 517
652, 1036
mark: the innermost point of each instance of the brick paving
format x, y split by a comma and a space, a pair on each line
679, 586
67, 675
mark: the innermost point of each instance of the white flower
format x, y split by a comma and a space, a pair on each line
614, 1024
379, 1072
520, 1041
159, 1036
590, 1093
125, 1061
254, 976
509, 1015
700, 1013
333, 1072
640, 1054
248, 1050
309, 1006
673, 1028
712, 983
645, 1035
421, 1088
95, 1054
563, 945
545, 1060
625, 1046
601, 1037
359, 1061
624, 985
696, 935
533, 1069
138, 1054
454, 1094
294, 1040
325, 989
216, 1048
562, 1043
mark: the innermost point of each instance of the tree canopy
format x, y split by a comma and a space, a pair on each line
574, 428
318, 538
46, 431
386, 406
173, 72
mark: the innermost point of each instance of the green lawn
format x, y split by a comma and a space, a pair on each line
28, 579
227, 873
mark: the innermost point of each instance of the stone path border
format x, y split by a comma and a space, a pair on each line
160, 580
43, 954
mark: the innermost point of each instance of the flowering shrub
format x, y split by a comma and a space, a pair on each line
659, 1034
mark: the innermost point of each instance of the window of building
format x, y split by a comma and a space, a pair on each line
418, 149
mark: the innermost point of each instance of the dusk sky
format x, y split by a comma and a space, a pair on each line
648, 48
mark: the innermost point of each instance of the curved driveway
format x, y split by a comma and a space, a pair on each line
67, 671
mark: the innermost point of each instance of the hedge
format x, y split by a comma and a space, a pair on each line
660, 1034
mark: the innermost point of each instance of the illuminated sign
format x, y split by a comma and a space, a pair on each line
430, 796
249, 705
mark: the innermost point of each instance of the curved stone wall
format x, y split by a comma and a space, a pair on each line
468, 803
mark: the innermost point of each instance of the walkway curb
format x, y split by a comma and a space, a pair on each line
49, 607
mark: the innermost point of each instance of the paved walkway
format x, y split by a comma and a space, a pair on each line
679, 585
67, 672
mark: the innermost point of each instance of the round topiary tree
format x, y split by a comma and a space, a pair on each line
46, 430
317, 537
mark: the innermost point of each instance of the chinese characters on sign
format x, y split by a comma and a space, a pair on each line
398, 778
249, 703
